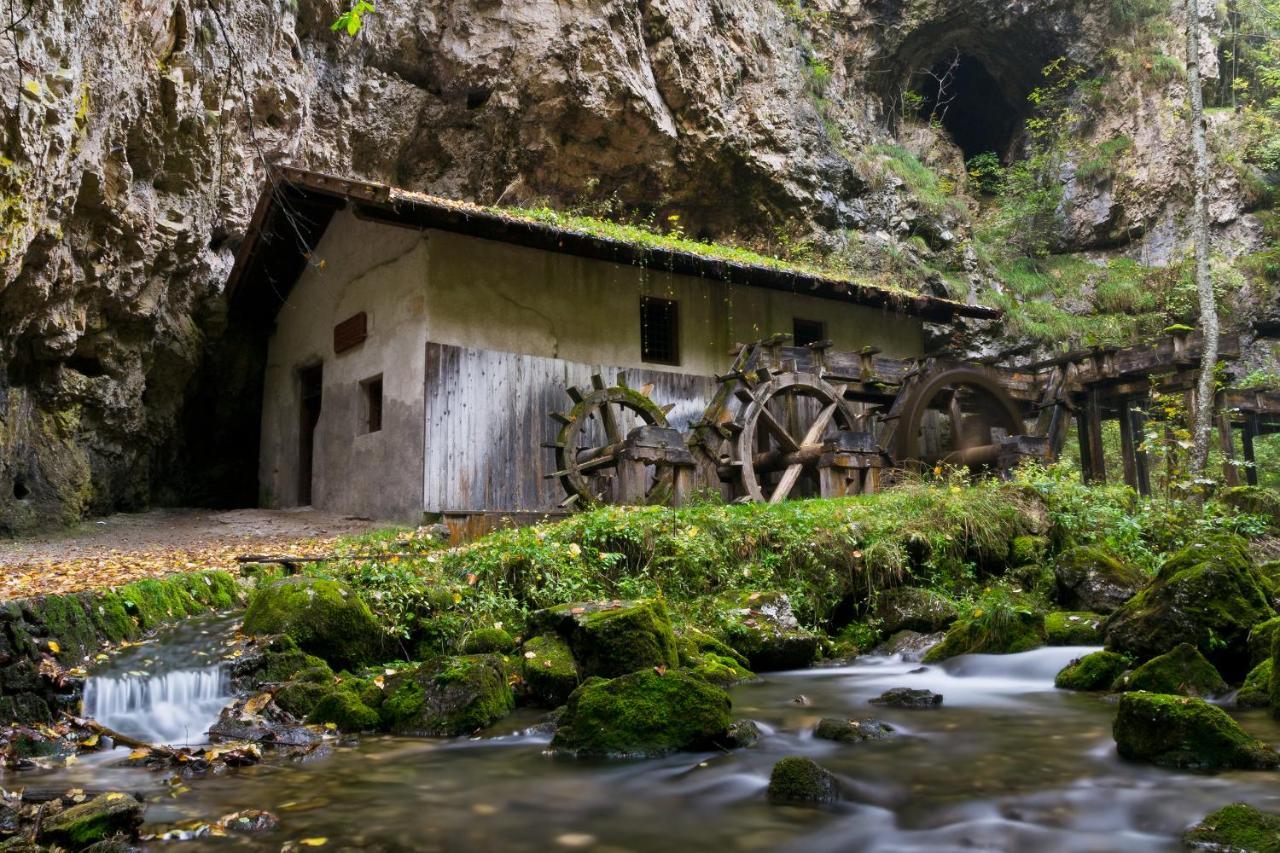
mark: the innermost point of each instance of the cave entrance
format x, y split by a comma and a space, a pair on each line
963, 96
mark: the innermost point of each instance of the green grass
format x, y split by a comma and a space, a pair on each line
920, 180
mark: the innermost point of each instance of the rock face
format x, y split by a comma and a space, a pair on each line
130, 166
1178, 731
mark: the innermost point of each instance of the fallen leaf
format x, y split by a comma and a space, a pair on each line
313, 842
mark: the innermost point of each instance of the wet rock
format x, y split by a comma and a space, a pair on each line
323, 617
1185, 732
449, 697
1091, 579
742, 734
106, 815
798, 780
852, 731
1097, 671
1078, 628
910, 645
1183, 671
250, 821
913, 609
1209, 595
548, 671
612, 638
1256, 690
761, 627
1237, 827
233, 726
643, 714
277, 661
1254, 500
908, 697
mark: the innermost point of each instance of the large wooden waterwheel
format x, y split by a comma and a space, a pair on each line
953, 415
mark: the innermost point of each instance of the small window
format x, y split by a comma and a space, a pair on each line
659, 330
372, 394
805, 332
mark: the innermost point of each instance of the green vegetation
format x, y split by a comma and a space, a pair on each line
1183, 671
1001, 622
324, 617
1256, 692
1097, 671
1180, 731
1237, 827
934, 194
1073, 628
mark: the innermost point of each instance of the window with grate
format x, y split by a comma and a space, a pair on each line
805, 332
372, 388
659, 330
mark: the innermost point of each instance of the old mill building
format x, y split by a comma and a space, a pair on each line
419, 344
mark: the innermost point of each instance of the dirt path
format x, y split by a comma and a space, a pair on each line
126, 547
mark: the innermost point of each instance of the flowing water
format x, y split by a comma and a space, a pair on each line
1007, 763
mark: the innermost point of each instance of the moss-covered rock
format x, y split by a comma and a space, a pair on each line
998, 624
799, 780
65, 620
1090, 578
612, 638
155, 601
488, 641
1255, 500
761, 627
1209, 595
1097, 671
843, 730
720, 670
1261, 639
279, 662
448, 697
1026, 550
346, 710
1256, 691
1181, 731
300, 698
111, 618
548, 670
105, 815
692, 643
1073, 628
323, 616
1237, 827
910, 608
643, 714
1182, 670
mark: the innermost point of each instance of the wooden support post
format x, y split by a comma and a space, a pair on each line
1251, 432
1093, 423
1226, 441
1128, 445
1137, 415
1086, 456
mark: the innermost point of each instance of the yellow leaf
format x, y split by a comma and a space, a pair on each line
138, 754
115, 795
331, 726
54, 647
313, 842
457, 597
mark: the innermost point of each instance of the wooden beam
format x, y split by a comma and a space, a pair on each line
1093, 425
1128, 445
1226, 441
1250, 461
1137, 416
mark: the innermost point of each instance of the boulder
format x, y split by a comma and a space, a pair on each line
109, 814
643, 714
1256, 691
1091, 579
911, 646
908, 697
1254, 500
548, 670
742, 734
299, 698
1097, 671
798, 781
1209, 595
612, 638
1078, 628
761, 627
1028, 550
1185, 732
910, 608
488, 641
276, 663
1236, 827
447, 697
346, 710
852, 731
1183, 671
999, 624
720, 670
1261, 638
323, 617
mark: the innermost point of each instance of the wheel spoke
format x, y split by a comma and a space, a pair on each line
777, 430
610, 423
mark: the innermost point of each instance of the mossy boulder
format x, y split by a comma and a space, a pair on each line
1261, 639
1209, 595
1256, 691
1237, 827
65, 620
797, 780
843, 730
692, 643
299, 698
278, 663
1254, 500
1026, 550
1182, 670
1090, 578
324, 617
547, 670
761, 627
720, 670
448, 697
1185, 732
998, 624
1073, 628
1097, 671
910, 608
109, 814
612, 638
346, 710
643, 714
111, 618
488, 641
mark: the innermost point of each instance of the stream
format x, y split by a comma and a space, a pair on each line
1007, 763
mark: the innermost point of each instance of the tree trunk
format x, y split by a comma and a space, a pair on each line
1202, 417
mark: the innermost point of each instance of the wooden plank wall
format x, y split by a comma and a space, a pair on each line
487, 416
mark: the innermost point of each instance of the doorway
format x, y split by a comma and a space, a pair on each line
311, 380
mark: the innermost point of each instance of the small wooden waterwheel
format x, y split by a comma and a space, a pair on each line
784, 427
614, 446
956, 415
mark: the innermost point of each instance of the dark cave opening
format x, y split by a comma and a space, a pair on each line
20, 490
960, 93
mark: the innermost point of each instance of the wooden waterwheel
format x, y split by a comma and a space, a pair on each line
954, 415
614, 446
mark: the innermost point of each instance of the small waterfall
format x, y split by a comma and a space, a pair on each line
175, 708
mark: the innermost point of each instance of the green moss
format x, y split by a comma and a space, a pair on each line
719, 670
300, 698
613, 638
449, 697
1182, 670
761, 627
1237, 827
1091, 578
282, 660
88, 823
1078, 628
111, 618
548, 670
1028, 549
1261, 639
796, 779
487, 640
1256, 692
643, 714
1097, 671
345, 710
324, 617
153, 602
1000, 623
65, 620
1254, 500
1181, 731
